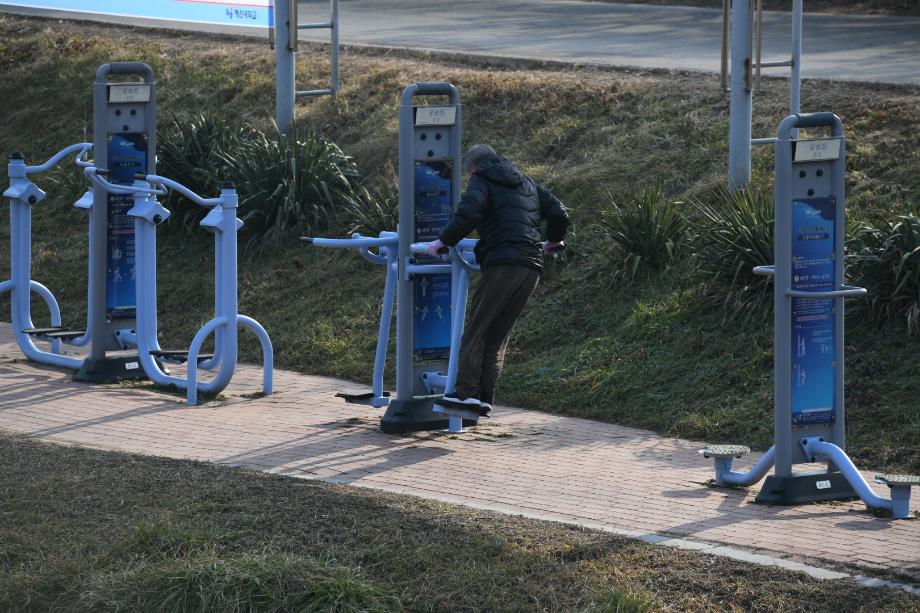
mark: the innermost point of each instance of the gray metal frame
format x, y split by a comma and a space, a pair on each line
287, 45
98, 366
411, 409
410, 147
799, 180
742, 32
811, 179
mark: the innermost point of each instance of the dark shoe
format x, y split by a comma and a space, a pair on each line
472, 404
484, 409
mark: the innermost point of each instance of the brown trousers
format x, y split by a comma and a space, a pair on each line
499, 299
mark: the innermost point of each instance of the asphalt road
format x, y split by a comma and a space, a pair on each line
856, 48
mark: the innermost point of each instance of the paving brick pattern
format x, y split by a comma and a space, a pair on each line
519, 462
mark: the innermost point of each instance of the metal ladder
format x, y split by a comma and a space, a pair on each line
742, 37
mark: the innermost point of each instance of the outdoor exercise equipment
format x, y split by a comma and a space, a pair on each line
147, 213
809, 295
124, 136
23, 194
742, 36
425, 288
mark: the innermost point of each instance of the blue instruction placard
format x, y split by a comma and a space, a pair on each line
433, 210
814, 367
127, 155
252, 13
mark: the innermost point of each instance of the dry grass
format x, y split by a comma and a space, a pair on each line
87, 530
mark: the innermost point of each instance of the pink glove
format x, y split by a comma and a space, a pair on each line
550, 246
434, 247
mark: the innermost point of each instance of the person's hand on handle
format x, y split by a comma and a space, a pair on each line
551, 247
436, 247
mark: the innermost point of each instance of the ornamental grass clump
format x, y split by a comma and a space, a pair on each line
290, 184
733, 233
287, 185
647, 233
885, 258
371, 211
190, 150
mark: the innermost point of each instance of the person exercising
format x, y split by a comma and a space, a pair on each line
507, 208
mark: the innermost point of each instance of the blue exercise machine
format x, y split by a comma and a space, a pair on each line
809, 295
430, 293
121, 329
147, 213
23, 194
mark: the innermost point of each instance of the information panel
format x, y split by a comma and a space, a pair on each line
813, 334
253, 13
127, 155
433, 210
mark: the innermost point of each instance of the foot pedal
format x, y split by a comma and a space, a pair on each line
179, 355
900, 486
725, 451
55, 333
898, 480
455, 411
43, 331
359, 397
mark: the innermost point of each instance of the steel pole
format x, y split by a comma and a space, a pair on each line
284, 67
795, 73
334, 42
739, 114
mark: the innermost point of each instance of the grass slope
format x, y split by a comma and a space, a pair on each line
654, 354
86, 530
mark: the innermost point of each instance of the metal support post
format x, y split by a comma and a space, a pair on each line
284, 68
795, 73
739, 115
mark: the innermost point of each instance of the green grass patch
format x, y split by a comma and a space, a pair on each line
87, 530
658, 353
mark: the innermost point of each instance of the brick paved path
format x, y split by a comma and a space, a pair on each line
520, 462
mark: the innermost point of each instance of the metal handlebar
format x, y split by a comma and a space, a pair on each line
810, 120
95, 176
159, 186
178, 187
124, 68
456, 255
81, 160
358, 242
845, 291
60, 155
430, 89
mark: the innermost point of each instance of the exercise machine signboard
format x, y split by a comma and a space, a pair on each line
127, 155
433, 210
813, 335
251, 13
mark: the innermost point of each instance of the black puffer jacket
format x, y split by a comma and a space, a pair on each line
506, 206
